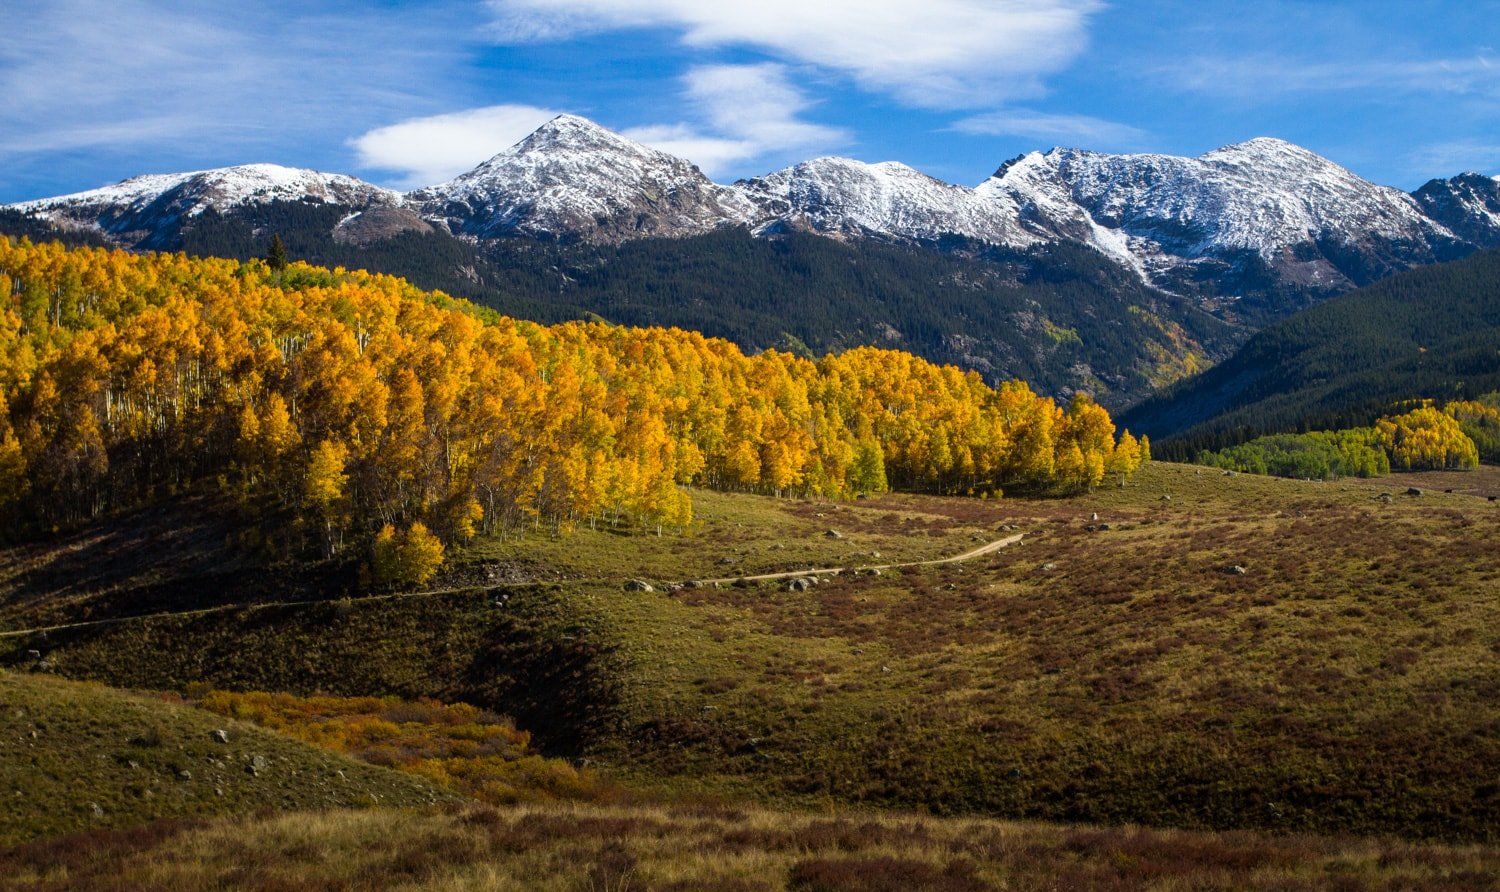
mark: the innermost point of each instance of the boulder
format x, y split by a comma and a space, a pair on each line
1413, 491
638, 585
220, 735
798, 585
833, 534
1235, 570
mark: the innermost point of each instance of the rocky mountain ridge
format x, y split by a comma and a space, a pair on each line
1259, 220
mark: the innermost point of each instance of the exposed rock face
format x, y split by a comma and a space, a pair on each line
378, 224
1468, 204
574, 179
145, 211
1262, 219
1245, 217
843, 197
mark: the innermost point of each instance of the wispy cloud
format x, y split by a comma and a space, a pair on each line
77, 74
744, 113
936, 54
1449, 158
1271, 78
430, 150
1056, 129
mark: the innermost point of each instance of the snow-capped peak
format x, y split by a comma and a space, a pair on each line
221, 189
843, 196
572, 177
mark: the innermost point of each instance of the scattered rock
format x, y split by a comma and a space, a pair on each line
1229, 474
44, 666
184, 775
33, 655
674, 586
1235, 570
220, 735
1413, 491
256, 766
692, 584
638, 585
949, 587
725, 560
1166, 498
1384, 497
1047, 568
833, 534
874, 571
798, 585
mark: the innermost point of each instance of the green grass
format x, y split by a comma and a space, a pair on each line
76, 757
1347, 681
737, 535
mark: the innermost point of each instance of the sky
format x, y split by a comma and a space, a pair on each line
408, 93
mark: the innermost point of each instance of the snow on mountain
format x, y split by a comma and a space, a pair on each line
1251, 218
840, 196
1311, 221
148, 205
1468, 204
573, 178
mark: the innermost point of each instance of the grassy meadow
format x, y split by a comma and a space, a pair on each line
1193, 650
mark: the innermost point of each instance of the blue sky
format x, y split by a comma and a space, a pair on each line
411, 93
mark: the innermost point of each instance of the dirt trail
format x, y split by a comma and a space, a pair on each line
981, 551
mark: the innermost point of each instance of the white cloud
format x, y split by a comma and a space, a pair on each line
178, 78
431, 150
935, 54
746, 112
1069, 130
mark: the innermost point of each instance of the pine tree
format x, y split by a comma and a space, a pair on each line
276, 254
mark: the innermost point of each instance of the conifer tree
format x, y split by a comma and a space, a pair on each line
276, 254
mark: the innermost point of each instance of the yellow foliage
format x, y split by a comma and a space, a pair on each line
1426, 438
346, 397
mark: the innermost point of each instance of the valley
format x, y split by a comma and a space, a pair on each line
1074, 676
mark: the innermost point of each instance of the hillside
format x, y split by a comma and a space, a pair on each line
1427, 333
76, 757
1105, 671
1062, 317
1078, 271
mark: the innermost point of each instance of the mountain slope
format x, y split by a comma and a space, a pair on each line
844, 197
1468, 204
1428, 333
90, 757
575, 180
148, 211
1262, 220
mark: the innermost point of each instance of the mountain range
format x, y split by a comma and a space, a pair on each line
1177, 259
